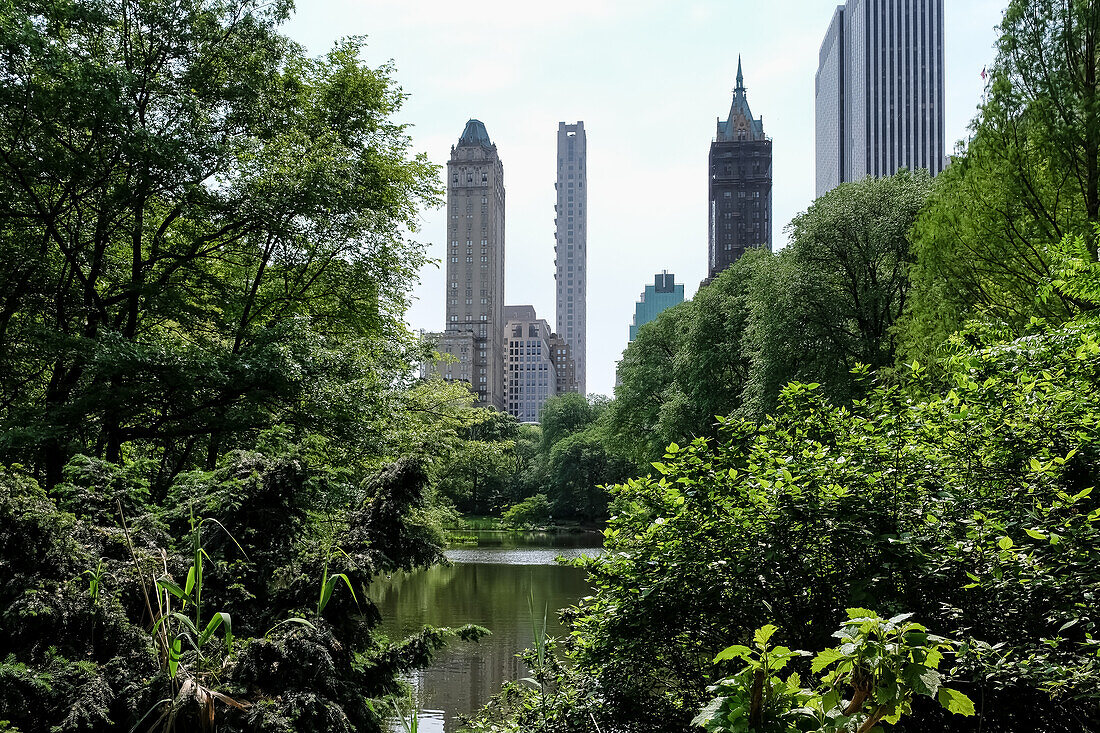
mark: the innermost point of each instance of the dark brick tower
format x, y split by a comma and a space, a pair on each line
740, 185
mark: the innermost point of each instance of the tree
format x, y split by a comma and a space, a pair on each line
580, 466
204, 228
1027, 178
836, 293
646, 380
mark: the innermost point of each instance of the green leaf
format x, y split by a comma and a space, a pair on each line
737, 651
854, 613
1005, 543
824, 659
168, 585
217, 620
924, 680
1035, 534
763, 634
174, 656
955, 702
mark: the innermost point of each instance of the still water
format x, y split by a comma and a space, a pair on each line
490, 585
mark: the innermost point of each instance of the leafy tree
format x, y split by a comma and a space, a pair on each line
686, 367
221, 251
1027, 178
835, 294
564, 415
972, 506
579, 467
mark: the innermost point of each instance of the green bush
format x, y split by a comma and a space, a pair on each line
534, 510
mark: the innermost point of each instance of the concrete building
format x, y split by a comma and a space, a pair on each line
740, 185
531, 371
456, 351
564, 367
571, 244
880, 91
664, 293
475, 264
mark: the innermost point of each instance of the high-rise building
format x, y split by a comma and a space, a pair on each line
475, 263
880, 91
571, 244
530, 367
740, 185
564, 366
664, 293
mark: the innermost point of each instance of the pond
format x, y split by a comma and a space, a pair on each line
492, 584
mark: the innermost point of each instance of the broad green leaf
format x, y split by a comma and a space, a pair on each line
955, 702
860, 613
824, 659
737, 651
763, 634
1035, 534
1005, 543
924, 680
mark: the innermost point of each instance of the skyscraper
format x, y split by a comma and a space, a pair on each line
475, 263
740, 185
880, 91
571, 244
664, 293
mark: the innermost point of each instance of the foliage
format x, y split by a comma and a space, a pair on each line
883, 663
219, 256
827, 303
686, 367
831, 301
1028, 177
274, 656
532, 511
971, 507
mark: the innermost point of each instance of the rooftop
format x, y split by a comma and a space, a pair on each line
475, 134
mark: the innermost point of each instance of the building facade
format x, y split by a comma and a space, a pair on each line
664, 293
571, 244
880, 91
475, 263
564, 367
740, 177
531, 372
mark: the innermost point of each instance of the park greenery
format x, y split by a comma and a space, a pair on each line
211, 438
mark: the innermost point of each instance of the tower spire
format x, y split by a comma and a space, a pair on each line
740, 76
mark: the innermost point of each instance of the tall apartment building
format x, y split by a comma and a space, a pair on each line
880, 91
571, 244
531, 369
475, 264
740, 185
664, 293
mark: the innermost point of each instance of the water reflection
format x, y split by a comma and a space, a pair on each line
488, 584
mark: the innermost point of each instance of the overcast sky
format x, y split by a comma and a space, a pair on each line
649, 78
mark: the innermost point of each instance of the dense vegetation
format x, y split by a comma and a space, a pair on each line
909, 425
208, 437
210, 441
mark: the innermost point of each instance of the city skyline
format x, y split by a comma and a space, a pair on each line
646, 77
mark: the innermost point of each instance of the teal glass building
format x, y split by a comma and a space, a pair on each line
664, 293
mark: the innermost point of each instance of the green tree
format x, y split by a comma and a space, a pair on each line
205, 227
834, 296
1027, 178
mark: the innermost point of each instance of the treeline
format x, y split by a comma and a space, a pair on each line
537, 474
908, 408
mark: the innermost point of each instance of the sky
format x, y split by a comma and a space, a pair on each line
649, 78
